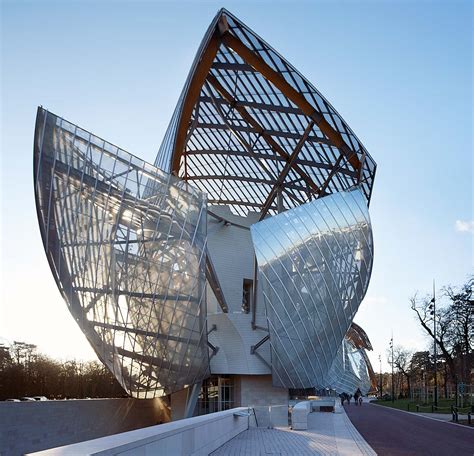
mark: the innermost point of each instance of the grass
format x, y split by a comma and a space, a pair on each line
444, 405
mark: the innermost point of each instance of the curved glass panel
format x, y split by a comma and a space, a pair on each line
350, 370
314, 268
126, 244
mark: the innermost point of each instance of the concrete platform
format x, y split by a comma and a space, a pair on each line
327, 434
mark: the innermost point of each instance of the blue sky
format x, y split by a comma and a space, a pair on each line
399, 72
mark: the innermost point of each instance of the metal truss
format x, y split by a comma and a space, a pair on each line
249, 129
126, 243
126, 240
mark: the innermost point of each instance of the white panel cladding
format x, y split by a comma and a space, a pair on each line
197, 436
234, 337
232, 254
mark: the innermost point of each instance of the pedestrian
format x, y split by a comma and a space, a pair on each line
356, 397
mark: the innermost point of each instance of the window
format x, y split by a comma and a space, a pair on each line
217, 394
247, 295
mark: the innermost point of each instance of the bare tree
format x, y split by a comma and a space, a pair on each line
442, 339
454, 326
402, 362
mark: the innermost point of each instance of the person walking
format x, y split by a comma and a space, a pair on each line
356, 397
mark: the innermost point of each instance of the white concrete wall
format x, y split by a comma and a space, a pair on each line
234, 336
269, 403
257, 390
34, 426
299, 415
232, 254
192, 436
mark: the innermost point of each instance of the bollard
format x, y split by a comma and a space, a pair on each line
432, 408
469, 418
417, 408
408, 406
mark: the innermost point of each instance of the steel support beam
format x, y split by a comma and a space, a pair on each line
260, 130
211, 277
191, 399
284, 172
290, 92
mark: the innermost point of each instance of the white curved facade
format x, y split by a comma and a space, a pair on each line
315, 263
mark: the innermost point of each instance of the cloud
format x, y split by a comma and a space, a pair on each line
465, 226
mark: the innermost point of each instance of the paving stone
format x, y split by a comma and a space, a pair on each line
327, 434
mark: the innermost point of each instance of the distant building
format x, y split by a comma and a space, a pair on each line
229, 272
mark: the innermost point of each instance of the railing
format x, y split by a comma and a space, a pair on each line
270, 416
455, 411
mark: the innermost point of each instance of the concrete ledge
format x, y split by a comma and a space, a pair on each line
26, 427
299, 416
195, 436
324, 405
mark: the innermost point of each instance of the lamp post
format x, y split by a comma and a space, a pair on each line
380, 361
432, 308
393, 389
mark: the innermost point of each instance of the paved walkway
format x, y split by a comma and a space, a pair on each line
327, 434
393, 432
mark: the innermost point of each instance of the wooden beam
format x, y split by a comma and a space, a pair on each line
290, 92
191, 98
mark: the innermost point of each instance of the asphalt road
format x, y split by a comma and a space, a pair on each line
395, 433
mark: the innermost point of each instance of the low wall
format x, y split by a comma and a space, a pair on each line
299, 415
197, 436
34, 426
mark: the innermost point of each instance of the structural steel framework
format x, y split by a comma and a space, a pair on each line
126, 244
315, 262
126, 240
253, 133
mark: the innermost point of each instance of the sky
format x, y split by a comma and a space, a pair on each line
399, 73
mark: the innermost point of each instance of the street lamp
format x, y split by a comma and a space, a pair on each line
393, 389
380, 361
432, 308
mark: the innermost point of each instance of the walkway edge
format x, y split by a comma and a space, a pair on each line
361, 443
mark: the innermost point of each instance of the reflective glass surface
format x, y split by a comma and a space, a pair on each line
126, 244
314, 268
349, 370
